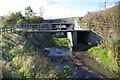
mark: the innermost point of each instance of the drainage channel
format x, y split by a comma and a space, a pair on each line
62, 58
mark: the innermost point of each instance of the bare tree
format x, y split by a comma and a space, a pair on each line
41, 11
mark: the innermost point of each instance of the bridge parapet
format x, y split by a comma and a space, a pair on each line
55, 26
48, 26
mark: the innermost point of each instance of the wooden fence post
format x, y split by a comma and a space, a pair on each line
0, 31
4, 30
11, 29
7, 30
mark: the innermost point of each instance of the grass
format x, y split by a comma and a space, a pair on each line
21, 59
60, 42
105, 60
52, 40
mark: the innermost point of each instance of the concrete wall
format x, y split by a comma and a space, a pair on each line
94, 38
29, 35
83, 37
72, 36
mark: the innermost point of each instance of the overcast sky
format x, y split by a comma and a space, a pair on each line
53, 8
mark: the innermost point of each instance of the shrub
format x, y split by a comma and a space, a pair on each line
35, 19
24, 60
60, 42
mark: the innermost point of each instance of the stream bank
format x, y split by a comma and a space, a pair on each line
81, 64
91, 63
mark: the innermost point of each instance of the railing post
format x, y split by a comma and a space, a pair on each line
0, 31
73, 25
11, 29
14, 29
39, 26
4, 30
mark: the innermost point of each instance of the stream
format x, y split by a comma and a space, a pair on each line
81, 64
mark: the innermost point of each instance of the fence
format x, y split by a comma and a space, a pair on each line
7, 30
100, 28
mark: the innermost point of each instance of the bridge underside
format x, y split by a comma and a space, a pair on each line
82, 37
57, 31
75, 36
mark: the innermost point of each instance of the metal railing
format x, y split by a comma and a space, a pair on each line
59, 26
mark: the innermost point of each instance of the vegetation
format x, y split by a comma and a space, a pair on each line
35, 19
29, 12
60, 42
17, 19
104, 19
108, 50
103, 58
13, 20
21, 59
51, 40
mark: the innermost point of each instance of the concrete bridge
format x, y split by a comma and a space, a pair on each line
74, 33
77, 32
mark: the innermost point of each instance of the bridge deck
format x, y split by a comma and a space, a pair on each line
55, 31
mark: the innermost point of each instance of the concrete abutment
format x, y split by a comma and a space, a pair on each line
84, 37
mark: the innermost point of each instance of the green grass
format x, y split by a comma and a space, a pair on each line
22, 59
105, 60
60, 42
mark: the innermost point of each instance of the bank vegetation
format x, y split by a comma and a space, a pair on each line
106, 22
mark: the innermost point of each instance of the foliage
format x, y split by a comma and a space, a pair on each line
60, 42
35, 19
13, 19
43, 37
105, 60
8, 43
21, 59
66, 72
50, 39
110, 16
29, 12
113, 48
17, 19
20, 22
108, 50
8, 71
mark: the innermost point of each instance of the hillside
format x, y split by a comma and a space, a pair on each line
107, 23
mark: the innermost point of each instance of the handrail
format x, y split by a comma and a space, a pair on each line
53, 26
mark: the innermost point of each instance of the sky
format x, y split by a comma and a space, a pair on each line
54, 8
